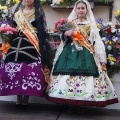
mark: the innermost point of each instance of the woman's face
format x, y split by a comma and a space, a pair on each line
81, 10
29, 2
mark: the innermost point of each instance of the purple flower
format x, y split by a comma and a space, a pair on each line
106, 92
77, 84
100, 21
60, 92
78, 91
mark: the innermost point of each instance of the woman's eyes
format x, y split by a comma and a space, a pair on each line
82, 8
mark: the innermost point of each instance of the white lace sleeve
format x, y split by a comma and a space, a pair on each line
100, 52
59, 50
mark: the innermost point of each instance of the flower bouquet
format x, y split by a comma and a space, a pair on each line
5, 9
110, 35
54, 38
54, 42
6, 28
63, 25
5, 33
78, 38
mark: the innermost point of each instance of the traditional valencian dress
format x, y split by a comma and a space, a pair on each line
22, 71
77, 79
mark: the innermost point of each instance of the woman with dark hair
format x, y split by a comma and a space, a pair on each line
23, 71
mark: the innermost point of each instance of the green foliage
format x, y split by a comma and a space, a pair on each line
72, 2
7, 3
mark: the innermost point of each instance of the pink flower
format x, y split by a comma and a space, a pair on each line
7, 29
1, 29
119, 41
9, 32
58, 25
118, 58
117, 46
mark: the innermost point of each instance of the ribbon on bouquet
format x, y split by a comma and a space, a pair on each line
5, 47
77, 36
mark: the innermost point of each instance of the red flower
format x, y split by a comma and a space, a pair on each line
58, 25
116, 26
1, 56
108, 30
58, 42
118, 58
119, 41
55, 30
117, 46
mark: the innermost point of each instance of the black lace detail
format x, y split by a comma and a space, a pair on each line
76, 74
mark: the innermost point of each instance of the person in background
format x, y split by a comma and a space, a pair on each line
27, 63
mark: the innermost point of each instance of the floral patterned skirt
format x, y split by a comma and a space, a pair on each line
82, 90
22, 79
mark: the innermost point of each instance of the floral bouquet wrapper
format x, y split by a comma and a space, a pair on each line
63, 25
6, 32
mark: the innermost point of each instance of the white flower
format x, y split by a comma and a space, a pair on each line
119, 30
112, 63
103, 38
109, 55
109, 23
3, 25
104, 24
114, 38
113, 30
52, 4
5, 11
10, 15
6, 14
109, 47
56, 2
3, 15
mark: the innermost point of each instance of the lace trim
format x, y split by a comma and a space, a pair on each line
76, 74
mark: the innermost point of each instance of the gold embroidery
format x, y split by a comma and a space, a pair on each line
30, 15
26, 28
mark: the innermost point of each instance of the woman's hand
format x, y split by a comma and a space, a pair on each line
69, 33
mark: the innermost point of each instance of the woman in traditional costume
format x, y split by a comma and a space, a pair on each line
22, 72
79, 72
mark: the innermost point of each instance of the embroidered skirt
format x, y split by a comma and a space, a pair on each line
22, 79
82, 90
77, 81
22, 72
